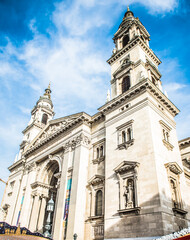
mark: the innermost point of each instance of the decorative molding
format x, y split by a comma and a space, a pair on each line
153, 69
96, 180
173, 167
17, 164
40, 184
184, 143
55, 128
165, 126
95, 218
125, 125
76, 141
98, 160
142, 86
179, 211
30, 167
58, 158
125, 166
135, 41
129, 211
167, 144
125, 145
186, 162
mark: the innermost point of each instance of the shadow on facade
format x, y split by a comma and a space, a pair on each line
155, 217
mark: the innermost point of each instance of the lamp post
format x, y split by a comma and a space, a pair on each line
75, 236
50, 208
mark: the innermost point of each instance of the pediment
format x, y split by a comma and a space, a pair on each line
96, 179
126, 166
174, 167
53, 128
125, 66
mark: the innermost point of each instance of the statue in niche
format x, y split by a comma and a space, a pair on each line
128, 194
174, 194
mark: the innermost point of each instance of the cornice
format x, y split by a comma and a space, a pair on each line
135, 41
83, 119
127, 24
184, 143
31, 125
153, 69
98, 116
142, 86
40, 184
16, 164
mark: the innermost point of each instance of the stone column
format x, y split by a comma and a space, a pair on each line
58, 176
57, 229
135, 186
93, 202
90, 201
149, 75
41, 214
34, 216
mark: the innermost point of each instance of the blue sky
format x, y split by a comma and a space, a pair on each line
68, 43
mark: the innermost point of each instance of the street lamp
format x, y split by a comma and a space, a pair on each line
50, 208
75, 236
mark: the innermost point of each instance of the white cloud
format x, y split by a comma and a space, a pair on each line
160, 6
173, 87
72, 59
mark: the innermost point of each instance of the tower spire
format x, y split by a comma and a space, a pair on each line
129, 14
48, 91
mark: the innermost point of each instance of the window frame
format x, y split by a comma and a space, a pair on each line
126, 83
165, 133
97, 202
99, 151
43, 115
125, 142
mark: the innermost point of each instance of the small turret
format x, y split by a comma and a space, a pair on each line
48, 92
128, 14
41, 114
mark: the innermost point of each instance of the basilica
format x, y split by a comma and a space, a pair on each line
119, 174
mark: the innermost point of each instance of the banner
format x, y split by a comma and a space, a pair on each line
20, 211
66, 211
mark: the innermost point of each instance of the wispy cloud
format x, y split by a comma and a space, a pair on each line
72, 56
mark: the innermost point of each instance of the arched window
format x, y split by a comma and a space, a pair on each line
126, 84
98, 207
153, 81
101, 151
123, 136
44, 118
97, 153
129, 134
125, 40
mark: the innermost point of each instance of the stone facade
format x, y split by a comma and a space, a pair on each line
116, 175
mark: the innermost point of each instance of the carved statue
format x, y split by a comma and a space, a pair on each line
128, 193
174, 194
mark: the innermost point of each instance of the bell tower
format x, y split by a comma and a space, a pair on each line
132, 59
41, 114
144, 175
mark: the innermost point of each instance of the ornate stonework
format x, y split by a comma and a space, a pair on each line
110, 175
